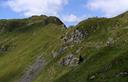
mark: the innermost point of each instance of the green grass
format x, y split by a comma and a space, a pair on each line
43, 36
28, 46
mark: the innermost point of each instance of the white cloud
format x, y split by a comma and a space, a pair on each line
37, 7
71, 18
109, 7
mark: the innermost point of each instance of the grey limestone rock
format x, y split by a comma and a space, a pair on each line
76, 36
70, 60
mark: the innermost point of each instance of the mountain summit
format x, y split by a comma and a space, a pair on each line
15, 24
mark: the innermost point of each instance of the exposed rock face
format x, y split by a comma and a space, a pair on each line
123, 74
110, 42
92, 77
33, 70
76, 36
70, 60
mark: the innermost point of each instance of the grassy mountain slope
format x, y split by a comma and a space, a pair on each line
25, 47
95, 50
104, 62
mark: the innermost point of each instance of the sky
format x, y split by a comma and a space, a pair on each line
70, 12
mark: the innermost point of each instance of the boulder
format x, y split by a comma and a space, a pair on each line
110, 42
92, 77
70, 60
123, 74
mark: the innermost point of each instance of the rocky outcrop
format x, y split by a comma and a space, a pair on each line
70, 60
122, 74
76, 36
92, 77
110, 42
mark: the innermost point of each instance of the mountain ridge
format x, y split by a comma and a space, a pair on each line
43, 49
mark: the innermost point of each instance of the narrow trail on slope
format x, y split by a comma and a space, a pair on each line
33, 70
